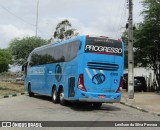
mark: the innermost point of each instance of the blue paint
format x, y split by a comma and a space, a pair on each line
101, 67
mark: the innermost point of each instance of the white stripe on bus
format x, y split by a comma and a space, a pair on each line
94, 71
102, 71
89, 74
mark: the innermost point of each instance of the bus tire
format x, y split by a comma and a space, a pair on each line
31, 94
61, 97
55, 95
97, 104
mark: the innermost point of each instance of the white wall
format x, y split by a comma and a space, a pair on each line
147, 73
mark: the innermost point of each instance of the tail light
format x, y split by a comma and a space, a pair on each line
120, 85
81, 83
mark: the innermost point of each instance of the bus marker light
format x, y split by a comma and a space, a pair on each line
119, 40
103, 36
87, 36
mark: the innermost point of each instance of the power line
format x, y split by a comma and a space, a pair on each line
15, 15
123, 17
21, 19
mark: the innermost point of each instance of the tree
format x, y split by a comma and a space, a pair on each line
20, 48
125, 40
64, 30
147, 38
5, 60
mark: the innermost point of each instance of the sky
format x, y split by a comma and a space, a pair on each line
90, 17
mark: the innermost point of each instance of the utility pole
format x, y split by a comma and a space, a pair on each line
158, 1
130, 53
37, 17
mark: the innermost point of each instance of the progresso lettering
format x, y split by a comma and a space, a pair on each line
96, 48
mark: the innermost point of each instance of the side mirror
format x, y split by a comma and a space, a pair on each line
24, 67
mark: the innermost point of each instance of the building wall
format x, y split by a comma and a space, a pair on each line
147, 73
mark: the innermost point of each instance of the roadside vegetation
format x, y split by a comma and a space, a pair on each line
147, 40
8, 88
8, 84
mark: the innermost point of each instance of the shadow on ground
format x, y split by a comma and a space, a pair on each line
80, 106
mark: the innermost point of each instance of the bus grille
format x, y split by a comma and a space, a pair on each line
103, 66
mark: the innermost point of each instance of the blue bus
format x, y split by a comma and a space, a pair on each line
85, 68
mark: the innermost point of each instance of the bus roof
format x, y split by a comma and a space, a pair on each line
57, 43
68, 40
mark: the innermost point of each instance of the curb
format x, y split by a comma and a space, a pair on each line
139, 108
13, 95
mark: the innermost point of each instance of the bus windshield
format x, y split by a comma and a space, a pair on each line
103, 46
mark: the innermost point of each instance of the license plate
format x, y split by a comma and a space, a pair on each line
101, 96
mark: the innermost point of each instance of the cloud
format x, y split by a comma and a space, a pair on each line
97, 27
93, 17
9, 32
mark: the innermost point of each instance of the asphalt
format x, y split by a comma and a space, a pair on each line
144, 101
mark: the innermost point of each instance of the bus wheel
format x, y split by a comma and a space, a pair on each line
31, 94
61, 97
97, 104
54, 95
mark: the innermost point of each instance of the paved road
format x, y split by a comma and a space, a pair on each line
41, 108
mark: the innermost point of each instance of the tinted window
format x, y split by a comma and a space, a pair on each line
103, 46
53, 54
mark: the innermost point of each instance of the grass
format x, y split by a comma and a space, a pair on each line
8, 88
